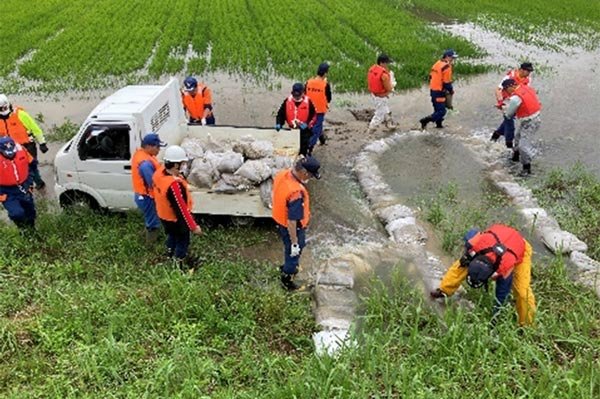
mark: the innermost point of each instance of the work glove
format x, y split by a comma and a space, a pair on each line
437, 293
43, 148
303, 126
295, 250
500, 104
203, 121
278, 127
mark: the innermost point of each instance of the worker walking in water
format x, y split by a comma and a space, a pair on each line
522, 76
381, 84
501, 254
440, 87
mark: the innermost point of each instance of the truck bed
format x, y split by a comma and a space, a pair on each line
247, 203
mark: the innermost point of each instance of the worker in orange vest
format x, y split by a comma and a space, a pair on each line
522, 76
440, 86
291, 212
524, 105
298, 111
174, 205
381, 82
197, 102
501, 254
319, 91
15, 183
23, 129
143, 166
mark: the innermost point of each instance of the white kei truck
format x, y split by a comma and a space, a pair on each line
94, 167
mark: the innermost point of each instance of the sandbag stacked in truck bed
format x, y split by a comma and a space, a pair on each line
230, 167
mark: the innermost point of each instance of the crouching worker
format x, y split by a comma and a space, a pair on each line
291, 212
502, 254
174, 204
16, 182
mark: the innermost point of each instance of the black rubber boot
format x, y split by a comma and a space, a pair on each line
288, 283
425, 121
495, 136
323, 139
509, 144
515, 156
526, 172
438, 125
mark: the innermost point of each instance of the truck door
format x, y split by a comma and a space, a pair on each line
103, 162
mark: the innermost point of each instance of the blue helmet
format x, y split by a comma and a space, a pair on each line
470, 234
190, 83
8, 148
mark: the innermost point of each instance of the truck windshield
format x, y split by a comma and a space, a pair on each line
105, 142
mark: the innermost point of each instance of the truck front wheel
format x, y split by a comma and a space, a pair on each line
73, 199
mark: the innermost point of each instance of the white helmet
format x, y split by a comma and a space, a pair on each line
175, 153
4, 105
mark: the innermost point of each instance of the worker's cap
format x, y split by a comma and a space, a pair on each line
470, 234
311, 165
508, 83
527, 66
190, 83
153, 140
8, 148
480, 270
383, 59
322, 69
450, 53
297, 89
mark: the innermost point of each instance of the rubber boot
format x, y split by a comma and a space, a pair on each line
526, 172
288, 283
323, 139
515, 156
425, 121
495, 136
438, 124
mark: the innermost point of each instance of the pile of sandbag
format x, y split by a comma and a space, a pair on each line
232, 167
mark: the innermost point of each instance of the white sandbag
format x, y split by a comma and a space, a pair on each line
202, 174
193, 147
239, 182
211, 145
252, 148
266, 189
230, 162
256, 171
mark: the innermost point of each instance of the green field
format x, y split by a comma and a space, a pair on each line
57, 45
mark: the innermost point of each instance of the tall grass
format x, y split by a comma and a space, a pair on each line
573, 197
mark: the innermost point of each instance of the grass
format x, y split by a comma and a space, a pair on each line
83, 315
62, 133
86, 310
573, 197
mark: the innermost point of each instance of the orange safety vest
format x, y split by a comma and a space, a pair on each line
194, 105
315, 90
514, 75
374, 80
14, 128
296, 113
530, 103
287, 188
441, 72
15, 171
507, 256
136, 178
162, 181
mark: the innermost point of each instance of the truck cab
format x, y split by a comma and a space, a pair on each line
94, 167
